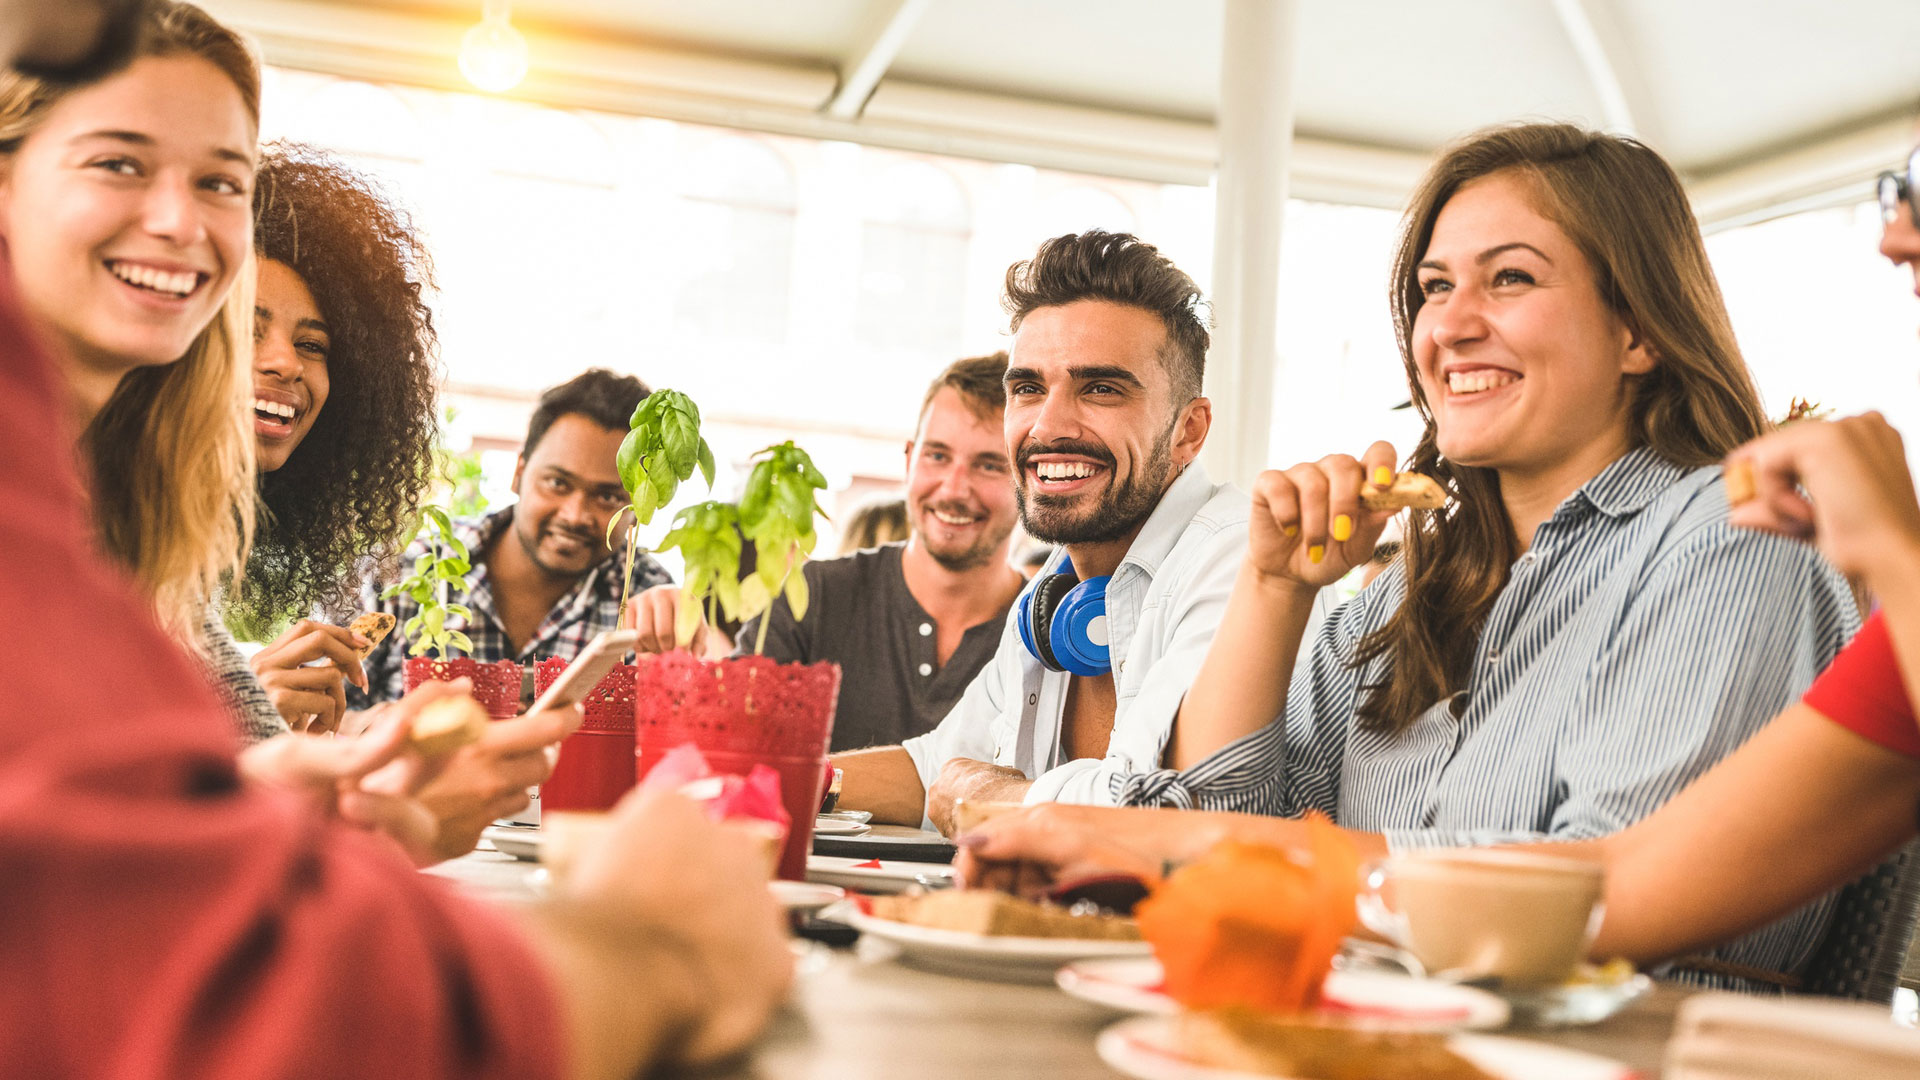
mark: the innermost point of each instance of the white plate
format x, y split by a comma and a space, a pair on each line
889, 876
858, 817
833, 826
1144, 1047
521, 843
805, 896
987, 956
1400, 1002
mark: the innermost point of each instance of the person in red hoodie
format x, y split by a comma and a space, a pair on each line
162, 916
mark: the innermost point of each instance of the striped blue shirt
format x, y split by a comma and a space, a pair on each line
1639, 640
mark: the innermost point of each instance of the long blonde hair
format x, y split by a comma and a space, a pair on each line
1622, 205
171, 453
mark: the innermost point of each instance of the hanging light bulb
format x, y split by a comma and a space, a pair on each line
493, 55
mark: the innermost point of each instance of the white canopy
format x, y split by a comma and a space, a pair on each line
1765, 106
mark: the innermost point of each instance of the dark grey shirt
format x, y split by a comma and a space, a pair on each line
861, 616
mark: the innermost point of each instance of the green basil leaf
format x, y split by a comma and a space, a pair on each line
628, 460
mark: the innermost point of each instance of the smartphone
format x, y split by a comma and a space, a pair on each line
588, 668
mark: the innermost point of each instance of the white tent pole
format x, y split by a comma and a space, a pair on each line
1258, 55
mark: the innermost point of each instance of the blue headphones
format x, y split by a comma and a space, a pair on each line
1063, 621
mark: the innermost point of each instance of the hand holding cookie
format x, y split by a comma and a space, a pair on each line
1841, 484
1314, 522
305, 671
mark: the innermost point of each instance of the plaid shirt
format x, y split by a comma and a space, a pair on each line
593, 605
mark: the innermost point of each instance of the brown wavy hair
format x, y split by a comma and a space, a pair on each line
1622, 205
349, 490
1122, 269
169, 456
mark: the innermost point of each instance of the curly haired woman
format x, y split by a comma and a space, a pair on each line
343, 420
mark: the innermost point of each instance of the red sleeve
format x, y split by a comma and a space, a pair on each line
157, 918
1862, 691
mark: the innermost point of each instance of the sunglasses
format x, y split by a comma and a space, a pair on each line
1895, 188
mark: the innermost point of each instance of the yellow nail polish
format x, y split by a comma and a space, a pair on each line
1290, 530
1316, 552
1342, 528
1382, 476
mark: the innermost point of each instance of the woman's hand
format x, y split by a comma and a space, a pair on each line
311, 699
699, 889
1308, 528
368, 780
1029, 852
489, 779
1858, 503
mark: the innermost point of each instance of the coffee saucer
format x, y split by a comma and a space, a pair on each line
1593, 994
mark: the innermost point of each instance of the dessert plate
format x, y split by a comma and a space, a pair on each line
1399, 1002
1148, 1048
837, 826
876, 875
984, 956
516, 840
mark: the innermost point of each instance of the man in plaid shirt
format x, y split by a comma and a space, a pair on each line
543, 581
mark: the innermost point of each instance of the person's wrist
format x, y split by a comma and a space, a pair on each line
1272, 587
1890, 561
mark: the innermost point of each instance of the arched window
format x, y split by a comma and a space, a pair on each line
913, 260
737, 244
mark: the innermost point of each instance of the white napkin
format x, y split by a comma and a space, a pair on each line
1737, 1037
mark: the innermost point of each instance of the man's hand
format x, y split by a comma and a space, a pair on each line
366, 780
489, 779
701, 888
1858, 504
1307, 527
654, 614
311, 699
965, 778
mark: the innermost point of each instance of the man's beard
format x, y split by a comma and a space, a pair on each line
956, 560
596, 551
1122, 508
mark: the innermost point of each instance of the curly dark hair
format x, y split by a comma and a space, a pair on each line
351, 487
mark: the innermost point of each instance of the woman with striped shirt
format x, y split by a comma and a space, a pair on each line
1579, 632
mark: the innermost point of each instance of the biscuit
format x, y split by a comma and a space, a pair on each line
446, 725
1739, 480
374, 626
1409, 490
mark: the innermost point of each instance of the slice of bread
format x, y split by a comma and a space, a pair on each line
1307, 1048
446, 725
983, 911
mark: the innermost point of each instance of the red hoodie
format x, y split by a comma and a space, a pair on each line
157, 917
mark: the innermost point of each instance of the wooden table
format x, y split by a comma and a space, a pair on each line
856, 1015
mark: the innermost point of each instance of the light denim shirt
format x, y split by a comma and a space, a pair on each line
1639, 640
1163, 604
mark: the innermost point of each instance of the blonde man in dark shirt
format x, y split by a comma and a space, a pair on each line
910, 623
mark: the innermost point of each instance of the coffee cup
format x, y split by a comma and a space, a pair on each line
565, 834
1519, 917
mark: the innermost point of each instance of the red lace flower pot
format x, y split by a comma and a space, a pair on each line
742, 712
596, 762
496, 686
